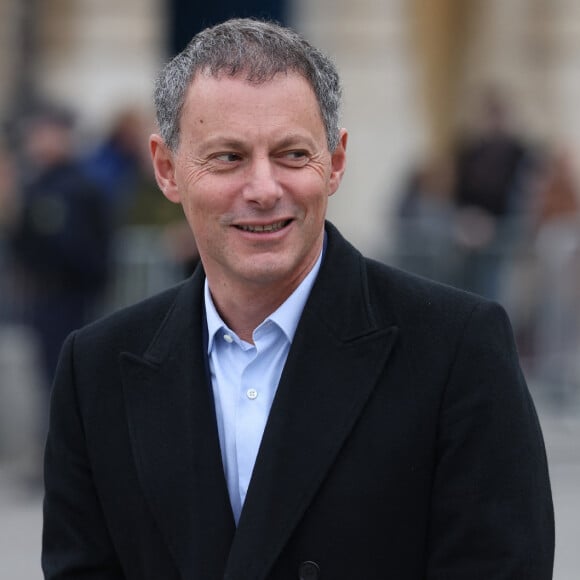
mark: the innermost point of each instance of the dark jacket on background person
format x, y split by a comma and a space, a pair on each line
402, 443
61, 247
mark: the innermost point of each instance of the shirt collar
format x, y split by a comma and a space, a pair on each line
286, 316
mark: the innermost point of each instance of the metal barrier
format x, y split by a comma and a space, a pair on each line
141, 267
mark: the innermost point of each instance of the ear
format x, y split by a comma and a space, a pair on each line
338, 161
163, 160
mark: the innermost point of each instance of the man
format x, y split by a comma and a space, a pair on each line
293, 410
61, 235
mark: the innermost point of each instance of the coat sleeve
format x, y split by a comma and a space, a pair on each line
492, 515
75, 540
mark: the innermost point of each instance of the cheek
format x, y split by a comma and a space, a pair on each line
197, 197
309, 187
205, 211
314, 195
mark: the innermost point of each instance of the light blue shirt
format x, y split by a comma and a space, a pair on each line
244, 379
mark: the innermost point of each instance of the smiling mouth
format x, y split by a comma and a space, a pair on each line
267, 228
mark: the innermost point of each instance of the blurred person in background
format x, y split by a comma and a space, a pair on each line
9, 200
8, 189
120, 162
60, 237
425, 214
491, 192
293, 409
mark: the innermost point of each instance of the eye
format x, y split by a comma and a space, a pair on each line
296, 154
228, 157
295, 157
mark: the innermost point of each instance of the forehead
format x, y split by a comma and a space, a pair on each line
225, 98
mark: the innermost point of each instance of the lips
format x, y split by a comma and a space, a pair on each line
264, 228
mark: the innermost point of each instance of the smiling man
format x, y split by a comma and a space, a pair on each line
293, 410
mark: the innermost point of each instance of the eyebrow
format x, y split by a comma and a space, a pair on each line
293, 139
221, 141
229, 142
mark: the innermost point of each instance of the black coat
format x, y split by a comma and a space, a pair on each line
402, 443
63, 235
61, 247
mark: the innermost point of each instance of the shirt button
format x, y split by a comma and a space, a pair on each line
251, 394
228, 338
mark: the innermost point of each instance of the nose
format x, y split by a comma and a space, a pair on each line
262, 187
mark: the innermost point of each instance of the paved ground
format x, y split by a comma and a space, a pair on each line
562, 434
20, 526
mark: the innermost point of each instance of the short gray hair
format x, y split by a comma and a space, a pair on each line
257, 49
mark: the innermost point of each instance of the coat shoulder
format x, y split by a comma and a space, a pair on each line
132, 327
414, 301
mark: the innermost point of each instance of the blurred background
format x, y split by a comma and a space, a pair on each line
464, 166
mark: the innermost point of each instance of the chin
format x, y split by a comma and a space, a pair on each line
267, 272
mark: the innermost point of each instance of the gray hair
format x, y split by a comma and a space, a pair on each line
257, 49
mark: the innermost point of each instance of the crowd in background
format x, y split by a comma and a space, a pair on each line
499, 216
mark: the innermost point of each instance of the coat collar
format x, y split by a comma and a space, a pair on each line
339, 350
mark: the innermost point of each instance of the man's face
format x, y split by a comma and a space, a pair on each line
253, 173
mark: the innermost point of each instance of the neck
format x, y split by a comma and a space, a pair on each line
244, 304
244, 309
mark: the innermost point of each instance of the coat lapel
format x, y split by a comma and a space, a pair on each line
336, 358
174, 438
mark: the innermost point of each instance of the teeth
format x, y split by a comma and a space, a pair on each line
266, 228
